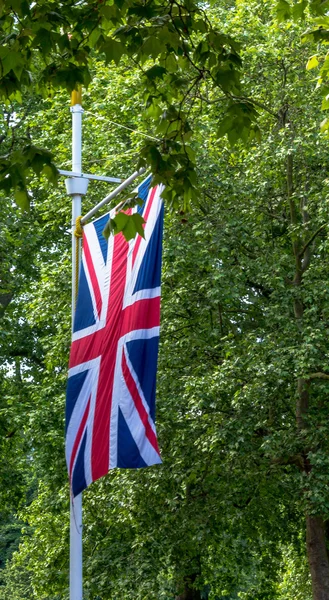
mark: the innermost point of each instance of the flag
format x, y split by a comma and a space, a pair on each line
110, 402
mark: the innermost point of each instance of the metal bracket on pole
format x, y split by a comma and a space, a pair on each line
76, 186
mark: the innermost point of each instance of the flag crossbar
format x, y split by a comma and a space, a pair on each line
112, 195
90, 176
81, 179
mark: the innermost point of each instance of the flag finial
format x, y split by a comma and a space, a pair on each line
76, 96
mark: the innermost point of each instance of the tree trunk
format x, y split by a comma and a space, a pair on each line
317, 557
315, 527
189, 593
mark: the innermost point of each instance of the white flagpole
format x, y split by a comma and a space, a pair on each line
76, 187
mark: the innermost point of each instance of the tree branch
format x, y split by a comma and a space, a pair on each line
296, 459
242, 99
318, 375
257, 103
312, 238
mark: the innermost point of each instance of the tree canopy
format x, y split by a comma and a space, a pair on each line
181, 49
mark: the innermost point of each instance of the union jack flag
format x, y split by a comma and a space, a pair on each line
110, 403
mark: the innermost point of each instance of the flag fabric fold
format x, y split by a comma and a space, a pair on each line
110, 401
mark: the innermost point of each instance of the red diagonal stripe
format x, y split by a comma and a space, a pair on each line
79, 436
92, 275
144, 417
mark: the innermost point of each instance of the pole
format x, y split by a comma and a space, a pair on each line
76, 505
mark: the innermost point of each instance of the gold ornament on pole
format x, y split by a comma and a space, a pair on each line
76, 96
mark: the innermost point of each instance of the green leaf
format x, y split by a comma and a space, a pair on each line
171, 63
298, 10
324, 125
312, 63
120, 221
283, 11
151, 47
155, 72
43, 40
12, 61
113, 50
94, 36
108, 229
51, 172
319, 7
139, 222
22, 199
108, 12
129, 225
129, 231
225, 126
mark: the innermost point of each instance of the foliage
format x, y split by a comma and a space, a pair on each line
175, 45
